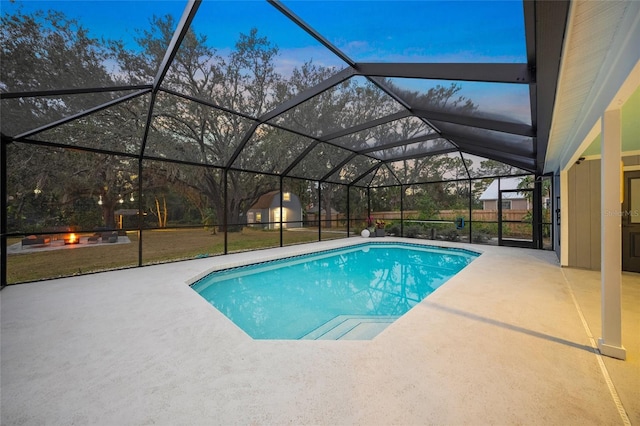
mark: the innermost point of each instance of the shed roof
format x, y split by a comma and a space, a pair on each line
265, 201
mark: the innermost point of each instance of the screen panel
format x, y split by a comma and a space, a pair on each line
437, 167
319, 161
101, 44
186, 130
353, 169
496, 101
352, 102
61, 210
247, 57
385, 134
271, 150
482, 167
432, 147
491, 139
119, 128
22, 114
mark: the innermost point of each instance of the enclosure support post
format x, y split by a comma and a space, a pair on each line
140, 216
401, 210
368, 203
226, 208
348, 211
537, 212
499, 218
3, 211
610, 344
470, 211
281, 206
320, 211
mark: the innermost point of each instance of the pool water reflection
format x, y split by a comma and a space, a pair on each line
353, 292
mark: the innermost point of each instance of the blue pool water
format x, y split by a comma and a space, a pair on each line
349, 293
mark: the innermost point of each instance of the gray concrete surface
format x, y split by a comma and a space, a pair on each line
500, 343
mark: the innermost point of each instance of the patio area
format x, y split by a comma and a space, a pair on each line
59, 244
509, 340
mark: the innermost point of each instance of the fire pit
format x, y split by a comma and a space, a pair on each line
71, 239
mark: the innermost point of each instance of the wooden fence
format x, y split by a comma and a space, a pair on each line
476, 215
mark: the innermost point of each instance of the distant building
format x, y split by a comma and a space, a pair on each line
312, 215
267, 210
510, 200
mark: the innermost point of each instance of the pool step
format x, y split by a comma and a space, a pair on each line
351, 327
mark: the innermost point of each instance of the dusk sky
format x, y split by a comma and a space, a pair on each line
366, 31
390, 31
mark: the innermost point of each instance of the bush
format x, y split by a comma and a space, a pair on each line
451, 235
480, 237
485, 228
412, 231
394, 229
483, 232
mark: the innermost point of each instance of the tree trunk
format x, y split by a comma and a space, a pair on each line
326, 205
164, 220
108, 215
159, 213
233, 218
162, 213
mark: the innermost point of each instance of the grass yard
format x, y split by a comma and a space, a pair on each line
157, 246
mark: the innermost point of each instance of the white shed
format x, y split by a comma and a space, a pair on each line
510, 200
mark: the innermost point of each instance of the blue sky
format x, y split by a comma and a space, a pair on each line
390, 31
411, 31
110, 19
367, 31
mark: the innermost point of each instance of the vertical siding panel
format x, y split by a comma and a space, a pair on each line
595, 208
571, 216
583, 215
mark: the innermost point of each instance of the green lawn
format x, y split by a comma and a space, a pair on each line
157, 246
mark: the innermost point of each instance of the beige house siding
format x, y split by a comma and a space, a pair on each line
517, 204
584, 215
584, 212
490, 205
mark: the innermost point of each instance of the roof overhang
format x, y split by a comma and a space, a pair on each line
600, 69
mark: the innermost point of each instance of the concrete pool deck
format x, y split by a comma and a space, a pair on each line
501, 343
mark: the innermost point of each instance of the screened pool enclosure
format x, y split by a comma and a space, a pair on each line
139, 132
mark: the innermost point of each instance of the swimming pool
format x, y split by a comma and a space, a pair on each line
348, 293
